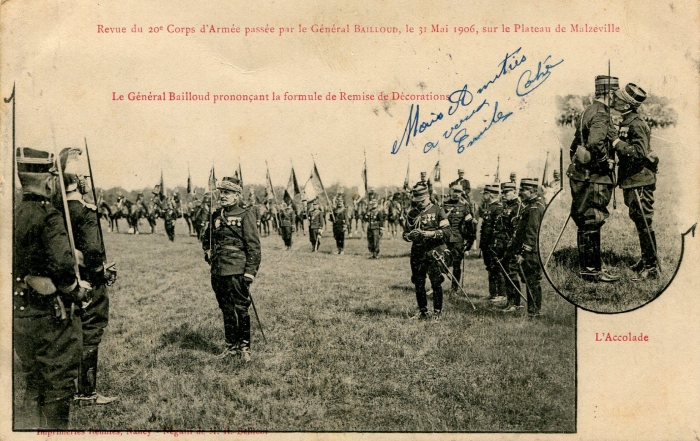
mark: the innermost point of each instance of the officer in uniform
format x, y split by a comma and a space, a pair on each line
374, 217
492, 210
234, 256
287, 225
637, 174
513, 177
461, 218
46, 327
504, 230
95, 314
525, 245
340, 221
316, 223
426, 227
167, 210
462, 182
591, 178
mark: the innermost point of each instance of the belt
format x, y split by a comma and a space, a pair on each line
228, 247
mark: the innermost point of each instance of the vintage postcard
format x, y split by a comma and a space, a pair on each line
311, 220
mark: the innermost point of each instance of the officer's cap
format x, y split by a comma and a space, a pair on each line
492, 189
422, 175
31, 160
456, 187
632, 94
529, 183
604, 83
460, 170
512, 175
507, 186
420, 193
230, 183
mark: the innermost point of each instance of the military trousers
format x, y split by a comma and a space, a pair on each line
287, 231
170, 228
339, 236
589, 206
234, 301
315, 237
95, 318
457, 252
640, 201
374, 236
423, 266
532, 272
495, 274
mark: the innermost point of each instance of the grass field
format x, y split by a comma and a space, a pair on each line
341, 353
619, 243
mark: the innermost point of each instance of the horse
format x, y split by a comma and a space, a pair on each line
137, 210
360, 207
188, 212
104, 211
299, 216
120, 210
394, 216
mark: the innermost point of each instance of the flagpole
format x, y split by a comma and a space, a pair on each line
269, 181
324, 188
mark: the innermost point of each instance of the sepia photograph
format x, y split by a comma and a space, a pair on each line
310, 219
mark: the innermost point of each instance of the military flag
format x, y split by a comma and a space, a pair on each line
161, 190
545, 179
269, 189
364, 179
239, 174
497, 177
406, 183
313, 187
292, 189
212, 180
189, 181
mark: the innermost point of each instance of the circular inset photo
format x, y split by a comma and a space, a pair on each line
615, 268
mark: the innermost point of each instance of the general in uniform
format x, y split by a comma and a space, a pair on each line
525, 246
316, 223
504, 231
287, 217
426, 227
461, 218
637, 174
234, 256
46, 332
340, 222
491, 211
95, 314
591, 179
374, 218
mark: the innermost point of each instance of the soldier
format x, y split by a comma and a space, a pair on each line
95, 314
637, 174
374, 217
462, 182
340, 221
427, 227
513, 177
234, 256
504, 231
316, 223
287, 216
591, 179
46, 331
461, 218
167, 210
492, 210
525, 245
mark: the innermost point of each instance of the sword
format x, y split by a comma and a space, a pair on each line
256, 315
646, 225
435, 255
557, 242
505, 273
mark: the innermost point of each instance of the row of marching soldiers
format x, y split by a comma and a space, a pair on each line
508, 242
60, 301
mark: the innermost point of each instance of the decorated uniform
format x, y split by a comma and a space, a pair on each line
287, 216
432, 218
340, 221
504, 230
236, 255
316, 223
488, 245
461, 219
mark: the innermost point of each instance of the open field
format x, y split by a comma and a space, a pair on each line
341, 353
619, 243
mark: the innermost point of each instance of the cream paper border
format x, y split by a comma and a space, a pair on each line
65, 73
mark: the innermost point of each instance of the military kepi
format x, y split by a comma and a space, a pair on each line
492, 188
605, 83
529, 183
231, 184
420, 192
33, 167
632, 94
507, 186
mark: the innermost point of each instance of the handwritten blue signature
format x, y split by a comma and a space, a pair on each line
463, 99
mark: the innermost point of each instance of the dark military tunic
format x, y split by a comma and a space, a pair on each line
432, 218
374, 219
287, 216
340, 222
236, 253
591, 183
504, 231
525, 243
489, 250
460, 216
637, 177
48, 347
316, 224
